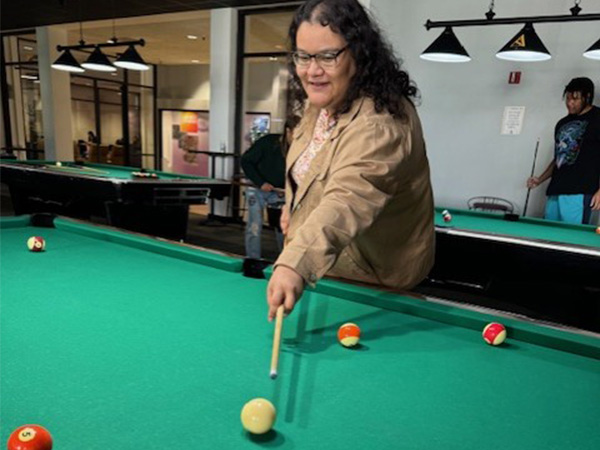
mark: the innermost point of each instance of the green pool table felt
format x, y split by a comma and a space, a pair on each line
114, 346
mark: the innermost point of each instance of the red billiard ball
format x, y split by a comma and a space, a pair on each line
36, 244
447, 217
494, 333
30, 437
598, 230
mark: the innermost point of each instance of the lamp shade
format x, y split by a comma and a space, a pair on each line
67, 63
99, 61
132, 60
594, 51
446, 48
526, 45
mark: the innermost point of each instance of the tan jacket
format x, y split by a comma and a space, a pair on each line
365, 208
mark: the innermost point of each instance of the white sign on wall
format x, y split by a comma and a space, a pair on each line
512, 119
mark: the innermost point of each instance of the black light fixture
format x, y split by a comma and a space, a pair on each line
526, 45
132, 60
446, 48
67, 62
594, 51
99, 61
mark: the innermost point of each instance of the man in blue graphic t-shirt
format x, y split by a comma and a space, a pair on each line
574, 189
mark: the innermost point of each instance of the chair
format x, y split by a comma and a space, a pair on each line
492, 204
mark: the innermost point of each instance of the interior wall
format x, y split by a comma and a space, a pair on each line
461, 105
15, 99
83, 119
188, 87
55, 89
265, 89
184, 87
2, 134
147, 112
111, 122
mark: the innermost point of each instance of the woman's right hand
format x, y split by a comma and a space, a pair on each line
285, 288
284, 220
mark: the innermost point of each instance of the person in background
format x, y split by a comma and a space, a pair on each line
359, 203
92, 143
264, 164
574, 172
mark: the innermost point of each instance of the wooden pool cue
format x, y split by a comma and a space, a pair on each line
77, 169
276, 342
537, 146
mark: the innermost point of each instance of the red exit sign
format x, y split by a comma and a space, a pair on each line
514, 78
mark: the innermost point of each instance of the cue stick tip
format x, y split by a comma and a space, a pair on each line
273, 374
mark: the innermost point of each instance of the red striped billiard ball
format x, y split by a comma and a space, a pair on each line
349, 334
30, 437
494, 333
36, 244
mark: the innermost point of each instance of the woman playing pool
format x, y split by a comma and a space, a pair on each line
359, 202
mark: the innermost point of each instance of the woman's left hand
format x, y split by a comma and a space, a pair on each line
285, 288
596, 201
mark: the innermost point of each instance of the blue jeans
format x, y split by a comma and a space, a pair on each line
257, 200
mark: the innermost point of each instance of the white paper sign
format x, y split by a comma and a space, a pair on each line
512, 119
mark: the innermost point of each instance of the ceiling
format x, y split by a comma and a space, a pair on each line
22, 14
167, 36
267, 32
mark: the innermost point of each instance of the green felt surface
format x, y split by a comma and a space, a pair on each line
525, 227
116, 346
100, 170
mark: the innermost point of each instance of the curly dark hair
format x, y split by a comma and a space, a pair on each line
378, 73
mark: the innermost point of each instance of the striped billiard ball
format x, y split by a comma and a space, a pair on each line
36, 244
349, 334
494, 333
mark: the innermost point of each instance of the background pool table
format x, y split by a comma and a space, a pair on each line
549, 268
117, 341
153, 206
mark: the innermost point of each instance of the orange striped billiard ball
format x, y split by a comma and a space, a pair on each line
30, 437
494, 333
349, 334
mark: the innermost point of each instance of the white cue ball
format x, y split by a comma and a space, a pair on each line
258, 416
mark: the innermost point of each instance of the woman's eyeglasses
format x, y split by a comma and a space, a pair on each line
325, 60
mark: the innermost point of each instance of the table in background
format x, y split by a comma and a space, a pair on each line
551, 266
118, 341
153, 206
